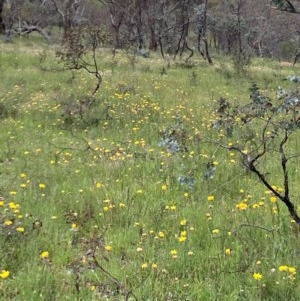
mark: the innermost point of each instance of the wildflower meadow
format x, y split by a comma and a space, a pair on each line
137, 199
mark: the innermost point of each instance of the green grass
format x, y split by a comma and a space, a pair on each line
111, 212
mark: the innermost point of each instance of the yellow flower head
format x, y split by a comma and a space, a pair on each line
215, 231
183, 222
98, 185
257, 276
183, 233
228, 251
173, 252
108, 248
44, 255
211, 198
4, 274
13, 205
161, 234
242, 206
8, 223
292, 270
20, 229
182, 238
283, 268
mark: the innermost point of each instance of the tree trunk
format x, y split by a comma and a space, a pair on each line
153, 39
207, 55
2, 25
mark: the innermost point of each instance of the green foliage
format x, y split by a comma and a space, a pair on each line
105, 211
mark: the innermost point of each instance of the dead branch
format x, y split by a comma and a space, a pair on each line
121, 287
251, 226
250, 162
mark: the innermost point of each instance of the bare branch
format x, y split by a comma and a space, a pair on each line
122, 288
251, 226
284, 6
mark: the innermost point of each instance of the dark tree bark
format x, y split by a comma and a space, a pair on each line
183, 39
202, 26
153, 34
285, 5
2, 25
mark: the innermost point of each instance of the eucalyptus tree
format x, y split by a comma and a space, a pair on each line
292, 8
2, 25
264, 132
287, 6
201, 29
22, 17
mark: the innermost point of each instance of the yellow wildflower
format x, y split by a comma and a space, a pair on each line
164, 187
44, 255
283, 268
8, 223
4, 274
183, 222
98, 185
74, 227
182, 237
228, 251
257, 276
242, 206
292, 270
173, 253
108, 248
20, 229
183, 233
13, 205
211, 198
161, 234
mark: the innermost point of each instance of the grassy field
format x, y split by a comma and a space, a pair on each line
100, 209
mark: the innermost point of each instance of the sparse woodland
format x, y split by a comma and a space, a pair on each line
149, 150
